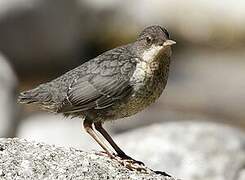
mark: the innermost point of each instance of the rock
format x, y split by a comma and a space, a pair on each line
20, 159
199, 83
42, 22
38, 32
43, 33
42, 36
191, 150
8, 107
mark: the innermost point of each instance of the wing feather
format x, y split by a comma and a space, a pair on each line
100, 89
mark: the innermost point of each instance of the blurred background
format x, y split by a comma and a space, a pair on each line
202, 108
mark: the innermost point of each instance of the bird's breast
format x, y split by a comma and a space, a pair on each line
148, 81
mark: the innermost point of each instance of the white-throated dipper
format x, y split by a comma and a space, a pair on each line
116, 84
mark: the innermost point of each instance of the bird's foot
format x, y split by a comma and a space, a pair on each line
126, 161
103, 153
120, 156
162, 173
132, 164
129, 159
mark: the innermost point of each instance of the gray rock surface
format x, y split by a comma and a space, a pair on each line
20, 159
190, 150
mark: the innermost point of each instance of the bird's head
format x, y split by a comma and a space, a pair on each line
153, 41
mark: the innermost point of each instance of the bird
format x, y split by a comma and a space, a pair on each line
116, 84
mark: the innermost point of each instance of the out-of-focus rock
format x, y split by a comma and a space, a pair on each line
35, 31
191, 150
8, 107
41, 36
20, 159
210, 83
56, 129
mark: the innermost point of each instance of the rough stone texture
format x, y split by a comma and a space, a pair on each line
190, 150
8, 106
20, 159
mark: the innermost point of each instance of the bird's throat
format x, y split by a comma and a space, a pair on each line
151, 54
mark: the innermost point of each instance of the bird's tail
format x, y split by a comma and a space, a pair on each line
37, 95
27, 97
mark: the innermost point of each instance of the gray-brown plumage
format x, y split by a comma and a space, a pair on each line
116, 84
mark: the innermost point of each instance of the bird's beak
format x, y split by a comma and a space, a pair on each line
169, 42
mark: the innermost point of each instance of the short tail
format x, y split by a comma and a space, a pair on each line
37, 95
27, 97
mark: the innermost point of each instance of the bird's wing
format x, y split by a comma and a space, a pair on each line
106, 82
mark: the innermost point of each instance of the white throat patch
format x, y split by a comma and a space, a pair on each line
150, 54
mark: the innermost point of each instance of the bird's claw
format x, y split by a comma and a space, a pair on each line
132, 164
129, 159
103, 153
162, 173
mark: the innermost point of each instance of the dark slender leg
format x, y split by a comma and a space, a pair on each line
88, 127
98, 127
120, 153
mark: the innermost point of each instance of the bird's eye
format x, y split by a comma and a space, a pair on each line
148, 40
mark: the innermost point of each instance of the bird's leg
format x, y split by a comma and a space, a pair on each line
87, 124
98, 126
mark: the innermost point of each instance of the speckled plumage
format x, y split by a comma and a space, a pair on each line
116, 84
